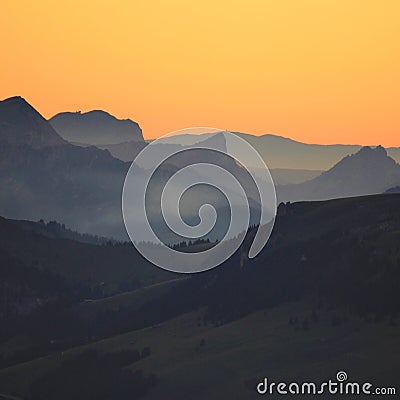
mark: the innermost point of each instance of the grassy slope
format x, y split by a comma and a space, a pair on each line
236, 355
133, 299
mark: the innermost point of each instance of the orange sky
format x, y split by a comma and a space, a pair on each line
321, 71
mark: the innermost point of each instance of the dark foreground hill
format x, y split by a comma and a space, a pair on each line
35, 256
55, 230
323, 296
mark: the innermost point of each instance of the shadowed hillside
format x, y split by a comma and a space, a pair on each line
328, 282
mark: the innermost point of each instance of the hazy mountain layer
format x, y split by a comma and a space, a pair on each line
81, 186
369, 171
96, 128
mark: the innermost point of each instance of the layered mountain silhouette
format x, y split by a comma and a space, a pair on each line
95, 127
43, 176
281, 153
77, 186
369, 171
330, 270
20, 123
124, 140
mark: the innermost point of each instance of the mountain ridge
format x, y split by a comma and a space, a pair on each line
368, 171
96, 127
20, 123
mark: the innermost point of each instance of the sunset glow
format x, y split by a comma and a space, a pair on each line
318, 71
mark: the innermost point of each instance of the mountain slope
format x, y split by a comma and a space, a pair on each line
125, 151
20, 124
44, 177
80, 187
291, 176
111, 266
96, 128
280, 152
322, 297
369, 171
55, 230
75, 185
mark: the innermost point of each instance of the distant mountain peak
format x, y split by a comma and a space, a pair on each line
370, 151
17, 102
372, 161
15, 99
368, 171
96, 127
20, 123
